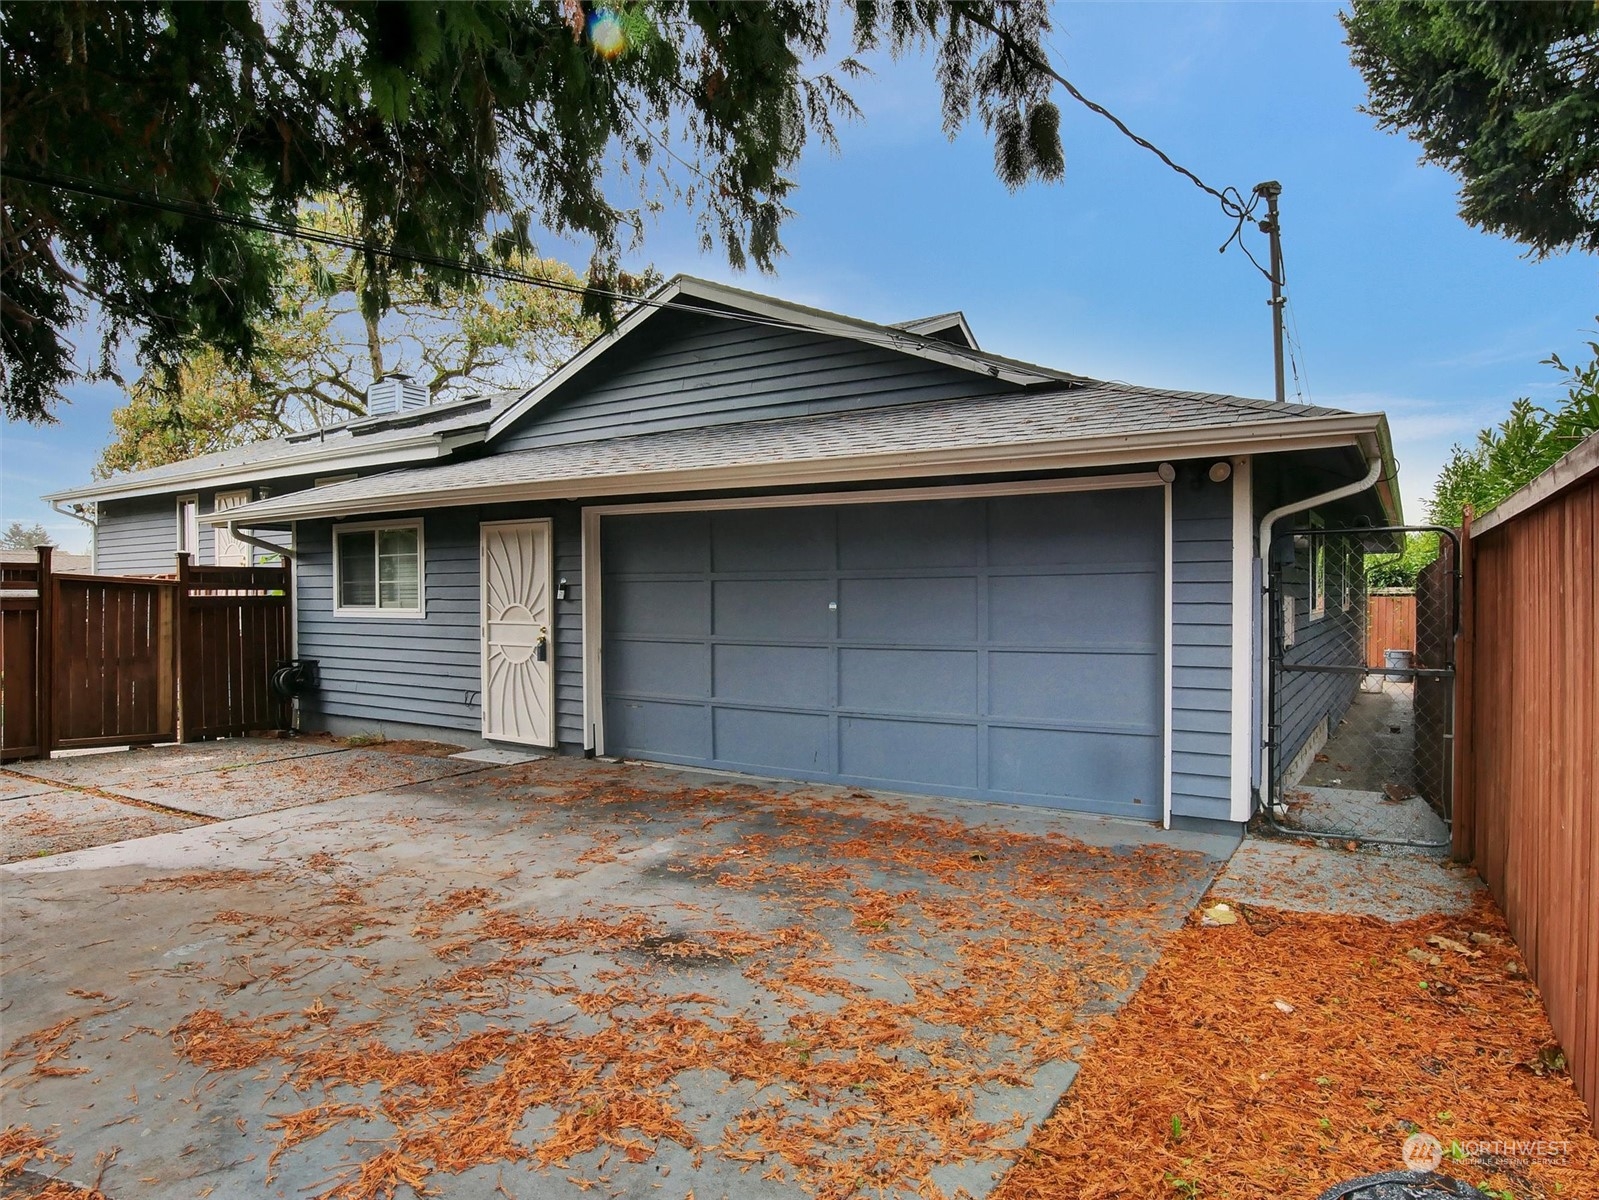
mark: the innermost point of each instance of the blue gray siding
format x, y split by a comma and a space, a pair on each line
1202, 613
427, 671
140, 536
686, 372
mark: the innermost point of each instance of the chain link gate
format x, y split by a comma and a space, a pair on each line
1361, 689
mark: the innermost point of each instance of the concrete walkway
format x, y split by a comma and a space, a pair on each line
536, 981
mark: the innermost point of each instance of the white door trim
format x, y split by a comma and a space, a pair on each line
1168, 636
593, 612
548, 526
1245, 604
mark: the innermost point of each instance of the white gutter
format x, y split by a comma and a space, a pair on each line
1374, 470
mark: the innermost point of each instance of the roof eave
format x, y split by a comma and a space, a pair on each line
315, 458
1299, 433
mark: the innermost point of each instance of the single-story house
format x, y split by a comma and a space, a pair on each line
741, 533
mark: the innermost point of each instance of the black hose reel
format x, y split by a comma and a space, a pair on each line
294, 678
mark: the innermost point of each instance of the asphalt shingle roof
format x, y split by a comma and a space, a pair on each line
1085, 413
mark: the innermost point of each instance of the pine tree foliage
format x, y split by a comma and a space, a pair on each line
455, 130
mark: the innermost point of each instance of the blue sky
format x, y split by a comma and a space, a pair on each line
1114, 272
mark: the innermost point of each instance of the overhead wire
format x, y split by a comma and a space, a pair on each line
297, 232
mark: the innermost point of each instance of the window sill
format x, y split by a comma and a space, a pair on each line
381, 614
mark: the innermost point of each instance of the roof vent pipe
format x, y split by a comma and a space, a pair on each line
394, 392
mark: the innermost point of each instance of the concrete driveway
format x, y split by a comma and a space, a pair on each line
567, 976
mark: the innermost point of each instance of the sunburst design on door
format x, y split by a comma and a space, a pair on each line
516, 617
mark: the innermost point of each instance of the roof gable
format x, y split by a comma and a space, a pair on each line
685, 296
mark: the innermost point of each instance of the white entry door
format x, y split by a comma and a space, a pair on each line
518, 633
230, 551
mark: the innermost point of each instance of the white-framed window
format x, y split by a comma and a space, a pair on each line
379, 570
188, 518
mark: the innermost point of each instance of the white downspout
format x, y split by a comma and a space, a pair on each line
269, 547
1262, 549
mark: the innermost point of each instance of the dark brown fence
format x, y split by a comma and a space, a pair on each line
99, 660
24, 657
235, 623
111, 677
1526, 800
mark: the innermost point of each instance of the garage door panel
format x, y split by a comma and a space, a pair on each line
797, 610
775, 741
1107, 772
788, 539
1076, 688
908, 681
937, 611
1076, 609
658, 729
876, 537
665, 543
791, 676
1075, 527
639, 667
880, 644
931, 754
659, 608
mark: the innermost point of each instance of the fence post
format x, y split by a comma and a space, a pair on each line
1463, 802
180, 638
44, 660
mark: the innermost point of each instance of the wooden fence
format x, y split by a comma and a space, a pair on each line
1390, 625
1526, 797
102, 660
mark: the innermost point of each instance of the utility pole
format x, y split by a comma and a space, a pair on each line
1272, 227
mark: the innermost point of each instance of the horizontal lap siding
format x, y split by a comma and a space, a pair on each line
427, 671
691, 372
1202, 547
140, 537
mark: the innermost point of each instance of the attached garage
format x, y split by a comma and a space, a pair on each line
993, 646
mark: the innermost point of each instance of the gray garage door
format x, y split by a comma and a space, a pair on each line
1002, 648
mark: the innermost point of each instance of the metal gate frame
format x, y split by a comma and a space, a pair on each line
1273, 787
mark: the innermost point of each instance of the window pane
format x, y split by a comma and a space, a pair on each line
357, 570
398, 569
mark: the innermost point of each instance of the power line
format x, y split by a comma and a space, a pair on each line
297, 232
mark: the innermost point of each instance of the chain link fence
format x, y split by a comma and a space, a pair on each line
1362, 687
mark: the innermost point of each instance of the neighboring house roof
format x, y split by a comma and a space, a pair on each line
59, 561
416, 435
947, 327
1096, 425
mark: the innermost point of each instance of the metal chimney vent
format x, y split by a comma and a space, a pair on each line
394, 393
